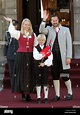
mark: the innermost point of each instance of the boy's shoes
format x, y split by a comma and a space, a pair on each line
69, 97
56, 98
46, 100
38, 100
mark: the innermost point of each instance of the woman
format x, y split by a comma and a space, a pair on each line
23, 79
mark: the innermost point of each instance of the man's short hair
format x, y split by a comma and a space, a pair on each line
54, 15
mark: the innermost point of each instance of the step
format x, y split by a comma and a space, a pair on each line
1, 85
74, 72
6, 83
75, 81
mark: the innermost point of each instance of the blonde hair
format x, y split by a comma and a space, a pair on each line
41, 36
22, 29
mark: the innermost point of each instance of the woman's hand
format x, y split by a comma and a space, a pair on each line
8, 19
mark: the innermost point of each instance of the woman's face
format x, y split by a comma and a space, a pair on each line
26, 26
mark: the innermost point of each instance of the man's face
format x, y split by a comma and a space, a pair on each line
16, 26
55, 21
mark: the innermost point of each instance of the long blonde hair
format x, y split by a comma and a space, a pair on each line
22, 29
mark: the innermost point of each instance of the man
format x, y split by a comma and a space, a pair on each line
61, 46
10, 48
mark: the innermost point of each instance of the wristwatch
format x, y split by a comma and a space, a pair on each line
44, 21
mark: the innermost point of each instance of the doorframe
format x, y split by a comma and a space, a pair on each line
72, 23
19, 12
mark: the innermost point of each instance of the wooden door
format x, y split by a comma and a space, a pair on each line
31, 9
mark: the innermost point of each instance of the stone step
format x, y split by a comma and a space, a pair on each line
1, 85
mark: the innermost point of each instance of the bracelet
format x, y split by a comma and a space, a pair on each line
44, 21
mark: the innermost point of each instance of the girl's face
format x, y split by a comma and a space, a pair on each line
41, 41
26, 26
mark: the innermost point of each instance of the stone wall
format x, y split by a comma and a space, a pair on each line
8, 9
76, 41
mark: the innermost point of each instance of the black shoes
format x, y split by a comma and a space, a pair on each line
26, 97
56, 98
69, 97
46, 100
38, 100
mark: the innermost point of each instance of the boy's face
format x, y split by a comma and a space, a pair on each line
41, 41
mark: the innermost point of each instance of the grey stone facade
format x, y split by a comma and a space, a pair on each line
8, 8
76, 42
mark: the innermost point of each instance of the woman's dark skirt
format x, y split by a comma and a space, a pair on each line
23, 78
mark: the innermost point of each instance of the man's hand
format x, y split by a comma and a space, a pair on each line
68, 61
45, 15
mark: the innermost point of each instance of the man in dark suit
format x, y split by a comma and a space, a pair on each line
10, 48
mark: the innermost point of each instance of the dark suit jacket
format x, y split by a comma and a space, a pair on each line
10, 47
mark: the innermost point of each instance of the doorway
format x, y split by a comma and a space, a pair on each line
32, 9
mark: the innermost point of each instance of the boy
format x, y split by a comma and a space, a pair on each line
42, 63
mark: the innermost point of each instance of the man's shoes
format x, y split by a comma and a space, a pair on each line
69, 97
38, 100
46, 100
56, 98
28, 98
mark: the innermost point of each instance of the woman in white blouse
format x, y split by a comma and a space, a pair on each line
23, 79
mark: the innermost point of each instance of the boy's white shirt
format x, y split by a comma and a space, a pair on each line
38, 56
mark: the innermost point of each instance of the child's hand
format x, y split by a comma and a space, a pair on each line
41, 65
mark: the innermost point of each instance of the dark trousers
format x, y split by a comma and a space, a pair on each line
57, 68
41, 75
11, 66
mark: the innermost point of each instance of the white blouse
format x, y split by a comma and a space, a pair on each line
16, 33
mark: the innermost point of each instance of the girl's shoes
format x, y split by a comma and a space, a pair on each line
26, 97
